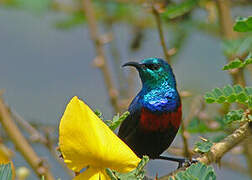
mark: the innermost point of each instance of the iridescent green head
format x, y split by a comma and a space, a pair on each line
154, 72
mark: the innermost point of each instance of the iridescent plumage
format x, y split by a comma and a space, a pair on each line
155, 113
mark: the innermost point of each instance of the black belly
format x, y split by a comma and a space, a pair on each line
149, 143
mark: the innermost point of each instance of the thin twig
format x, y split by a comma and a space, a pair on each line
100, 60
116, 57
22, 144
161, 33
35, 135
184, 135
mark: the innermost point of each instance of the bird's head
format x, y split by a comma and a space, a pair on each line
154, 72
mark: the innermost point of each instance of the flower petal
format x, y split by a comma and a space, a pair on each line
92, 174
5, 154
85, 140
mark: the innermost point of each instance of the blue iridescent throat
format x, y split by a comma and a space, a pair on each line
160, 99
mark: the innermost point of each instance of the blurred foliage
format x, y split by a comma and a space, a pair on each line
179, 9
37, 6
198, 126
77, 18
238, 47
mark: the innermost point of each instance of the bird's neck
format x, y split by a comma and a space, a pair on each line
164, 83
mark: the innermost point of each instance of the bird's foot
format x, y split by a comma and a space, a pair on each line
186, 162
181, 161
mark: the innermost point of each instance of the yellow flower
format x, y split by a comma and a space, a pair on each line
5, 154
85, 141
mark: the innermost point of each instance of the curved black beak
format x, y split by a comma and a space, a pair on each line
134, 64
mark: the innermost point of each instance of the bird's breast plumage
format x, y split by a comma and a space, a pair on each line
150, 121
160, 109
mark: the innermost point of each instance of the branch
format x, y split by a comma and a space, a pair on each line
226, 28
225, 19
22, 145
36, 136
100, 61
219, 149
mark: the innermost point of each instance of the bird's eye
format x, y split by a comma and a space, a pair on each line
153, 67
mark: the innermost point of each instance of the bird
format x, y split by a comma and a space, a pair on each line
155, 113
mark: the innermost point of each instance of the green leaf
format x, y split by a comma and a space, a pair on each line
76, 19
237, 63
136, 174
209, 98
5, 171
217, 92
198, 171
197, 126
243, 24
248, 59
98, 113
221, 99
228, 90
176, 10
116, 121
36, 6
238, 89
248, 90
250, 102
219, 95
242, 98
231, 98
218, 138
229, 95
203, 146
232, 116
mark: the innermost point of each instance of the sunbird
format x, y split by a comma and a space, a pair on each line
155, 112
